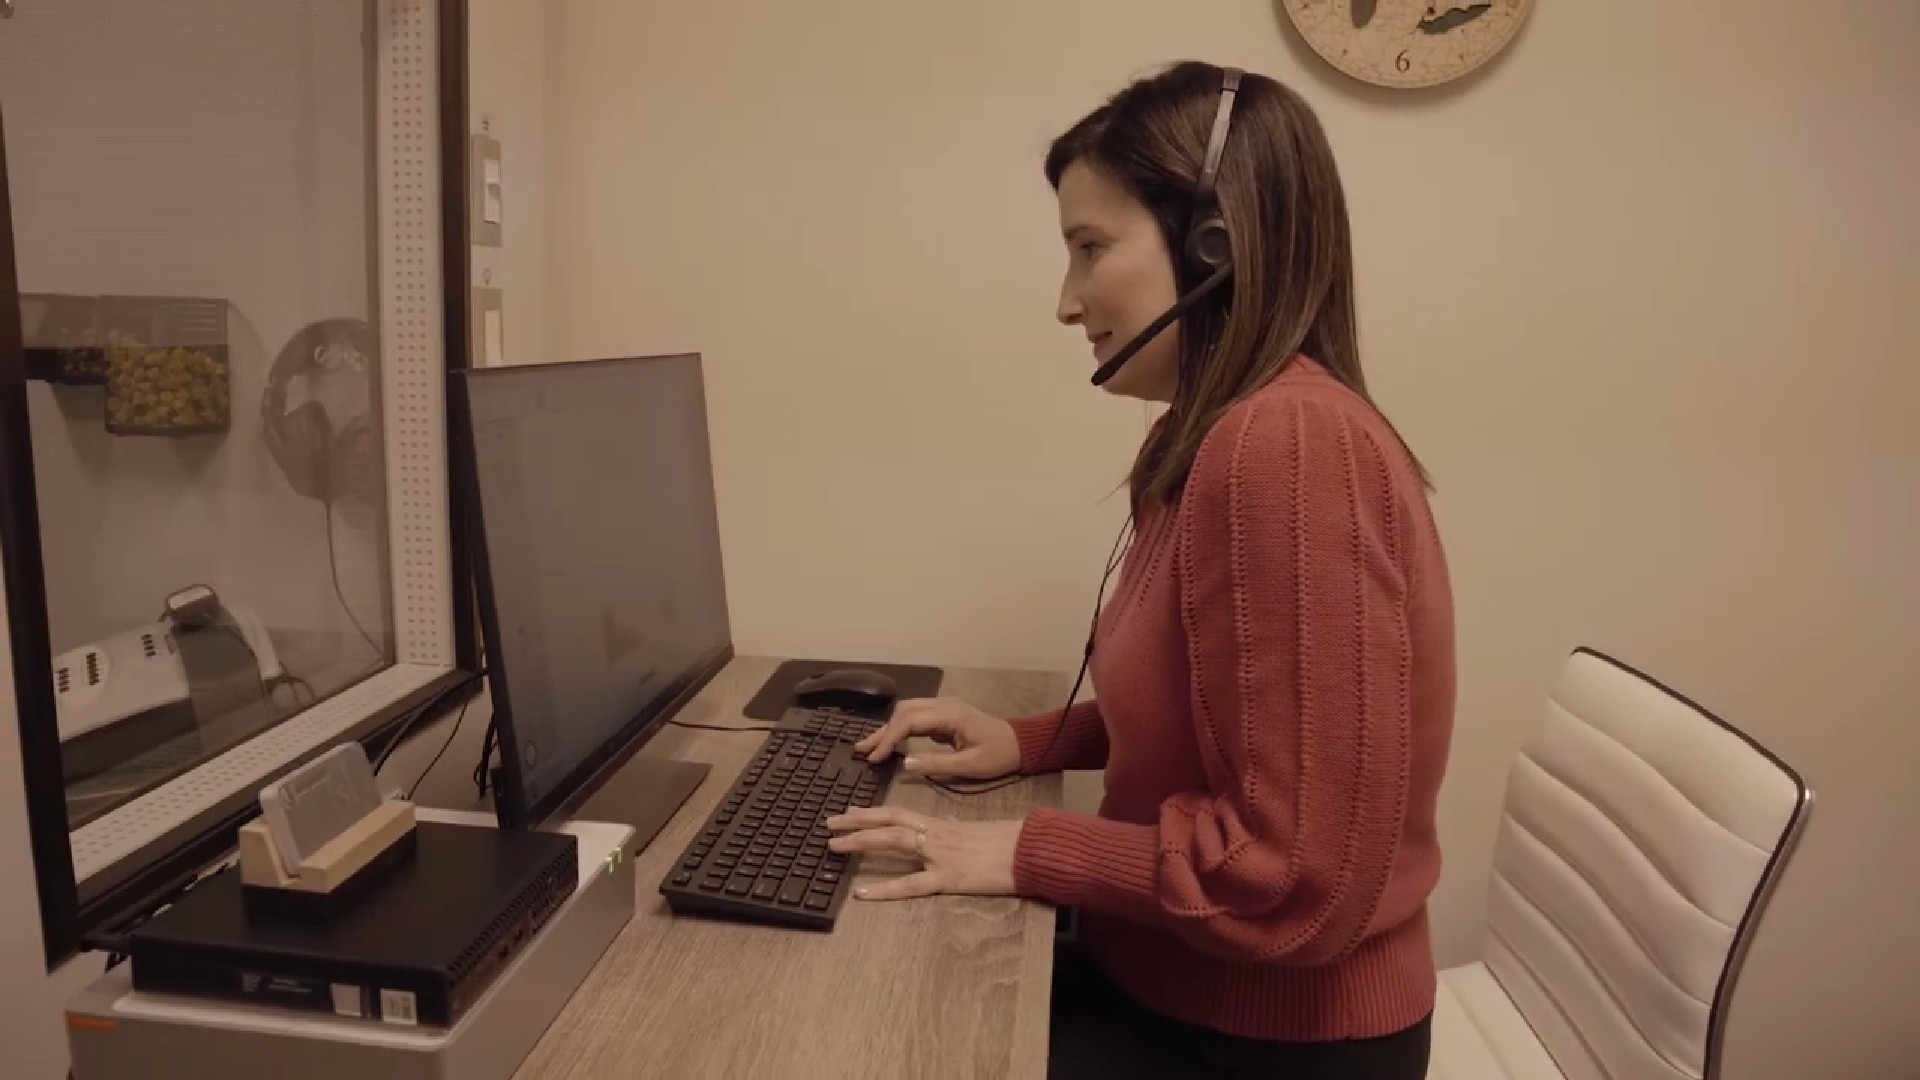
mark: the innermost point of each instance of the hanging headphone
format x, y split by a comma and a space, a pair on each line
1208, 248
312, 454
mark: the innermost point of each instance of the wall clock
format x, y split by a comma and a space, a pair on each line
1407, 44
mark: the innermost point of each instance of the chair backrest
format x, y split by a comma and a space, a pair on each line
1641, 838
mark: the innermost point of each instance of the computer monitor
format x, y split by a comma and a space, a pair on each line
602, 594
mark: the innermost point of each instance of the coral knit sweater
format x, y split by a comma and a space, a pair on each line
1275, 691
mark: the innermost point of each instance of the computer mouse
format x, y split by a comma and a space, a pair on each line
849, 689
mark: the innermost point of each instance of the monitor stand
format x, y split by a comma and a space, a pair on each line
645, 793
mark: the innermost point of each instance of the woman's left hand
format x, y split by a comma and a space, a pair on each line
970, 857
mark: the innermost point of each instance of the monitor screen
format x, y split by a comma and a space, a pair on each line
601, 588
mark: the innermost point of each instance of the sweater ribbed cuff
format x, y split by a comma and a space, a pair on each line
1051, 741
1079, 860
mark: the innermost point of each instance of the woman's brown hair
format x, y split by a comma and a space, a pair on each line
1286, 212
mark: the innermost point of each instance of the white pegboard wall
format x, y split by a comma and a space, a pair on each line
131, 828
411, 314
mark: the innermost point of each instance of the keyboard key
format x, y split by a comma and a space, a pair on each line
766, 888
683, 878
739, 885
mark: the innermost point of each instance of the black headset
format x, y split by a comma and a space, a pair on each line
1208, 249
303, 440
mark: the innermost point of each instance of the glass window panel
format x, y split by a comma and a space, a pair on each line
194, 208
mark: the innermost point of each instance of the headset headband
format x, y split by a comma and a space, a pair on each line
1217, 143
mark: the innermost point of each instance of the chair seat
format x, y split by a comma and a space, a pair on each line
1478, 1034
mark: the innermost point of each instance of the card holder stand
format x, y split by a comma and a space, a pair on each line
328, 881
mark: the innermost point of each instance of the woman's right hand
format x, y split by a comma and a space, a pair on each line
984, 747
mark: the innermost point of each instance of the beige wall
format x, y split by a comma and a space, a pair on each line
1652, 330
507, 74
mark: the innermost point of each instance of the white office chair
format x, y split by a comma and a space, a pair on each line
1641, 838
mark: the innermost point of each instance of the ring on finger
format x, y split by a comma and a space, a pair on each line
919, 839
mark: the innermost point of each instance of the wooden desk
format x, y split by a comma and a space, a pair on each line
937, 988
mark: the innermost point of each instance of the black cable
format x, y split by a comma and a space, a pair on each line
333, 570
723, 727
457, 720
400, 735
407, 725
1114, 558
482, 772
981, 789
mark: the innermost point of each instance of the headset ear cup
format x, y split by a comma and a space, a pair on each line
302, 444
356, 473
1208, 245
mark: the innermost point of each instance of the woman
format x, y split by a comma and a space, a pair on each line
1275, 667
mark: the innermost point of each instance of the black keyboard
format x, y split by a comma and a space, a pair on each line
762, 854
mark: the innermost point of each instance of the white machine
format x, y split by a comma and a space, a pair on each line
132, 691
116, 1031
137, 671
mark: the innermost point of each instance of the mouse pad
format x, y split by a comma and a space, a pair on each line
775, 696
